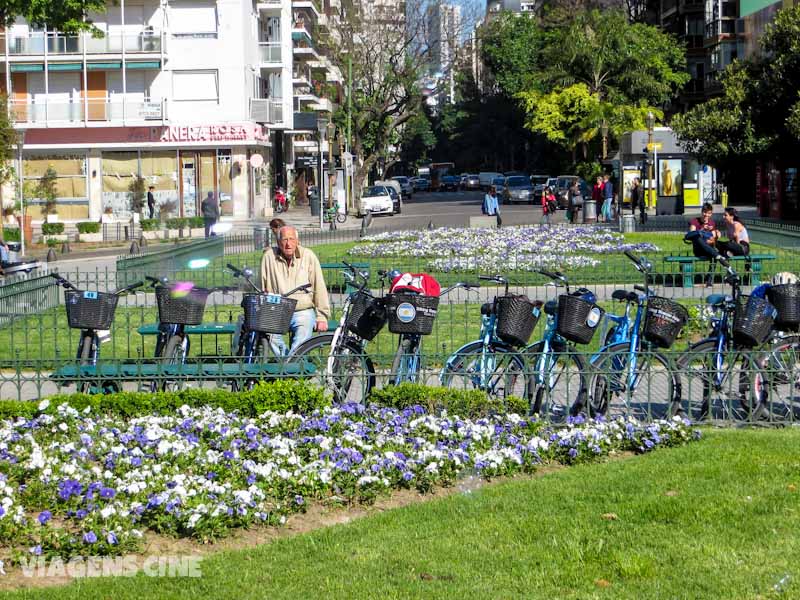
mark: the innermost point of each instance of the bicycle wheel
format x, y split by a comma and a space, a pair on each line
717, 385
780, 368
341, 217
348, 373
561, 387
645, 391
261, 356
499, 371
85, 358
173, 356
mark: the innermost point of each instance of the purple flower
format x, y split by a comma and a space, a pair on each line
36, 550
573, 453
111, 538
44, 517
89, 537
299, 500
2, 511
108, 493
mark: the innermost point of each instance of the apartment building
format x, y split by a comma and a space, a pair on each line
195, 96
444, 33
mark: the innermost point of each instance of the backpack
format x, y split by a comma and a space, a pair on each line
551, 206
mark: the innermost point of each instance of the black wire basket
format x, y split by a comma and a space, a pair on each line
90, 310
516, 319
268, 313
752, 321
410, 313
367, 315
181, 307
577, 318
786, 300
664, 321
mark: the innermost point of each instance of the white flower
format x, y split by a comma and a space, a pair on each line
44, 404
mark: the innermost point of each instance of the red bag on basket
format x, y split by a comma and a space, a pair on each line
419, 283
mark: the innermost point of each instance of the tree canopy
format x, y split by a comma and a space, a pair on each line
69, 16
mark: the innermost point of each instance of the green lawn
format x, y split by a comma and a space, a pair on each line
715, 519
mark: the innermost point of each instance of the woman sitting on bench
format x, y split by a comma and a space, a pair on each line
738, 243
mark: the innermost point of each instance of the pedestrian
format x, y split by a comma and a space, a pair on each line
490, 206
574, 202
275, 225
738, 243
608, 199
210, 211
703, 234
286, 267
597, 196
549, 206
151, 202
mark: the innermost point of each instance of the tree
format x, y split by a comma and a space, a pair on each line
511, 50
68, 16
137, 191
8, 140
46, 190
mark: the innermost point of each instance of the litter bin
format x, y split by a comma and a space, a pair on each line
260, 236
628, 223
314, 200
589, 211
13, 251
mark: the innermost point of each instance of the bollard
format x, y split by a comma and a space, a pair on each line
142, 240
430, 225
51, 255
134, 248
65, 249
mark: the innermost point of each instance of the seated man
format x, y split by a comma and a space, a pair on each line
703, 234
286, 267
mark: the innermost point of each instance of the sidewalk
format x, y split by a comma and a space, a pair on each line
299, 217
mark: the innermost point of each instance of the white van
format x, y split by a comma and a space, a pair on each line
485, 178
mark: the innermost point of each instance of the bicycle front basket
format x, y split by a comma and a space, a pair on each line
516, 319
90, 310
786, 299
577, 318
411, 313
664, 321
752, 321
268, 313
181, 307
367, 315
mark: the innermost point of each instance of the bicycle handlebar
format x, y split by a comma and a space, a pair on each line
128, 288
461, 284
306, 287
156, 280
63, 282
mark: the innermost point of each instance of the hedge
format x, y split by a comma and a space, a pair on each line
196, 222
279, 396
150, 224
88, 227
52, 228
464, 403
11, 234
177, 223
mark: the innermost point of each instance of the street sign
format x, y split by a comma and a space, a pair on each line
305, 162
654, 146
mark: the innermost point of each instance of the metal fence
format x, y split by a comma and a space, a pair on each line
164, 262
26, 294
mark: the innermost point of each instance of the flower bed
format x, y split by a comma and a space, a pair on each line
512, 248
72, 483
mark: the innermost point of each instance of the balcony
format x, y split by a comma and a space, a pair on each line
270, 54
264, 110
57, 113
38, 43
301, 78
269, 6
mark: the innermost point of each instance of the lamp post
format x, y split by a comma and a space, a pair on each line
604, 133
331, 168
650, 120
20, 195
322, 124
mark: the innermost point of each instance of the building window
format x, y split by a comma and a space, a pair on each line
193, 19
195, 85
70, 184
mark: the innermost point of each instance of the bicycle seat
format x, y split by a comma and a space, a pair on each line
716, 299
624, 296
486, 308
551, 307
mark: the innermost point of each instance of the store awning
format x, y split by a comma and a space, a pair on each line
150, 64
64, 67
98, 66
26, 68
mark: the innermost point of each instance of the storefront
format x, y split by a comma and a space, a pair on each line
96, 169
776, 190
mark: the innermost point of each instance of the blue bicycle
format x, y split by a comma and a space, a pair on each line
630, 374
488, 363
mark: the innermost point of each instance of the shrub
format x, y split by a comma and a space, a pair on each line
11, 234
167, 208
51, 243
88, 227
196, 222
137, 193
177, 223
279, 396
46, 190
52, 228
464, 403
150, 224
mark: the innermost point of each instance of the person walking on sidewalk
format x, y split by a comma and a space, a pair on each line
210, 211
608, 199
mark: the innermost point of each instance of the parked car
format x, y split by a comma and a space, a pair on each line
499, 184
515, 174
539, 182
406, 186
518, 189
421, 184
397, 201
562, 188
486, 178
376, 199
471, 182
449, 182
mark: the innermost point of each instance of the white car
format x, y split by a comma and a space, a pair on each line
376, 200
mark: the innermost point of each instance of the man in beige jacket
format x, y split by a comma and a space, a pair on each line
286, 267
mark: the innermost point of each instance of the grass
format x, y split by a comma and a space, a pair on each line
715, 519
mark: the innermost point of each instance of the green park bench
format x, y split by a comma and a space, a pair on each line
687, 264
335, 268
